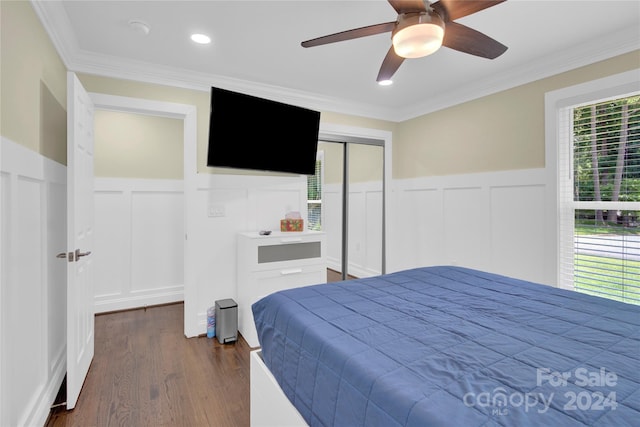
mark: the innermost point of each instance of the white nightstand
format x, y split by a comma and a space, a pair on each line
267, 264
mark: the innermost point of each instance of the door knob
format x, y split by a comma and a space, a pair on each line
81, 254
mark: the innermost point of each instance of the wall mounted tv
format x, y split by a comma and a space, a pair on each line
247, 132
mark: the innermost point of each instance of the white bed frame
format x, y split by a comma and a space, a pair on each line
269, 404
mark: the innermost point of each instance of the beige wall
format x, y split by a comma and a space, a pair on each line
156, 92
365, 162
357, 121
504, 131
332, 161
202, 102
138, 146
371, 166
32, 83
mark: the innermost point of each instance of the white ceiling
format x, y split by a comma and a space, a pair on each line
256, 48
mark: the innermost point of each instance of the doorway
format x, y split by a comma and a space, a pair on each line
186, 113
138, 195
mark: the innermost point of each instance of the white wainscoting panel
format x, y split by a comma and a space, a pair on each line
490, 221
139, 243
465, 220
4, 279
365, 227
157, 234
56, 269
33, 336
241, 203
518, 229
421, 214
332, 224
357, 223
373, 231
112, 238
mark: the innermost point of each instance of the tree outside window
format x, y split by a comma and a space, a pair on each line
606, 175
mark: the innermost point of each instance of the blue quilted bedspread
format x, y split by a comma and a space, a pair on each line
449, 346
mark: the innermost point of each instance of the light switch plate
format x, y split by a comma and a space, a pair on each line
216, 211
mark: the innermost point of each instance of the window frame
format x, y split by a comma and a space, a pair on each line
559, 163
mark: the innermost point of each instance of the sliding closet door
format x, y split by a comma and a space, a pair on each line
332, 202
352, 208
365, 166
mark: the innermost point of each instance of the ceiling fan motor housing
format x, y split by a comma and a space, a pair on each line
417, 34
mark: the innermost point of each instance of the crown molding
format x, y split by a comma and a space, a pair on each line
119, 68
57, 25
624, 41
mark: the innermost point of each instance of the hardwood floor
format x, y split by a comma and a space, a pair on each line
336, 276
146, 373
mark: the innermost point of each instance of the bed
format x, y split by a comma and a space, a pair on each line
449, 346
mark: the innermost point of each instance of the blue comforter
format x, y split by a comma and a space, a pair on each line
449, 346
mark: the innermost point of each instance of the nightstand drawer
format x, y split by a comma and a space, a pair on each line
267, 264
267, 282
289, 252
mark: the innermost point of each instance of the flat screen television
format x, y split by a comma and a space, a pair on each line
248, 132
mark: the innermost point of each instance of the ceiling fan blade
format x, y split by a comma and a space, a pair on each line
404, 6
450, 10
464, 39
351, 34
390, 65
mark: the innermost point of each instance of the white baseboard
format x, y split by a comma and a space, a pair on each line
130, 302
42, 408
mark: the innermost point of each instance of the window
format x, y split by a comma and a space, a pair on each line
599, 197
314, 195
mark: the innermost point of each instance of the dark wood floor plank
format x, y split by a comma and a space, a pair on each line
146, 373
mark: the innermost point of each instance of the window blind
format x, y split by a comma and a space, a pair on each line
599, 191
314, 196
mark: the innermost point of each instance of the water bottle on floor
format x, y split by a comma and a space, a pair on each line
211, 322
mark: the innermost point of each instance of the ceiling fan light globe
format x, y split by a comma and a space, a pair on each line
417, 34
418, 40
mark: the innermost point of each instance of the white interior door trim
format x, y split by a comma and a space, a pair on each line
188, 114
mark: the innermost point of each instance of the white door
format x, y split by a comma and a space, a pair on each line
80, 311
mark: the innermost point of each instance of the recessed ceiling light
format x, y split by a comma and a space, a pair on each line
385, 82
139, 26
201, 38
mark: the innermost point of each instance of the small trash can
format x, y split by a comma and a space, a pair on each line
226, 320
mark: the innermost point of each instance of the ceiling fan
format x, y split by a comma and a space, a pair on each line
421, 28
